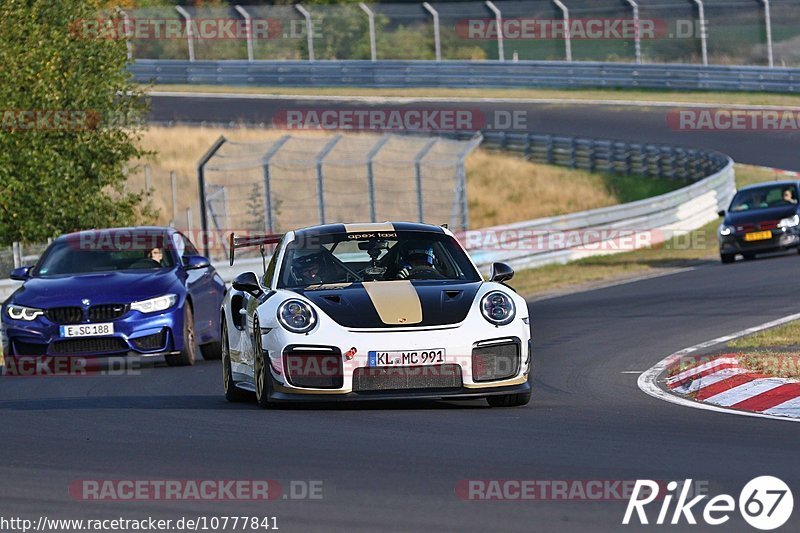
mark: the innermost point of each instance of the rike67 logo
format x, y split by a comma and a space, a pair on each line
765, 503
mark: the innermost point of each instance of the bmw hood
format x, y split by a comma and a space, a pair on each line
98, 287
760, 215
381, 304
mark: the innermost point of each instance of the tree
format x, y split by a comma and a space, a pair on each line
70, 121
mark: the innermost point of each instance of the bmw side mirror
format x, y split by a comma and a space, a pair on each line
247, 282
721, 212
191, 262
501, 272
21, 273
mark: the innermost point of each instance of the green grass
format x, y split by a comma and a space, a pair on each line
742, 98
787, 335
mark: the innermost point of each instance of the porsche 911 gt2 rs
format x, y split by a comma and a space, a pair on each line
373, 311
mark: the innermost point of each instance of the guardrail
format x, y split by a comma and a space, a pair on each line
467, 74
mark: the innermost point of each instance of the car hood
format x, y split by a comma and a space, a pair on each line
760, 215
381, 304
98, 287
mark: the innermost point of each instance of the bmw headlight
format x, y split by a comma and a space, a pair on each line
20, 312
790, 222
498, 308
725, 230
153, 305
297, 316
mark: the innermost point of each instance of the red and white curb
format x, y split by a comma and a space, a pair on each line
723, 386
724, 382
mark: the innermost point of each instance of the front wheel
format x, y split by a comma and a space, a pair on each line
727, 258
510, 400
187, 356
261, 372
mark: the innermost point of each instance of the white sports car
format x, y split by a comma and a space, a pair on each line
373, 311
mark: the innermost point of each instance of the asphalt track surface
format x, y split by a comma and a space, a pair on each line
395, 466
777, 149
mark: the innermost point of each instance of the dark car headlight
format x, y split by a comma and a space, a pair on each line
297, 316
20, 312
498, 308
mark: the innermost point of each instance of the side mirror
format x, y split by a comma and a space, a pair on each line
191, 262
501, 272
721, 212
247, 282
20, 274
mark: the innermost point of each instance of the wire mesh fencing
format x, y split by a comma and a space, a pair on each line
742, 32
292, 182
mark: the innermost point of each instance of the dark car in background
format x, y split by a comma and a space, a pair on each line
761, 218
143, 290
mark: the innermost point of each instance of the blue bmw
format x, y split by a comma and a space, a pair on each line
143, 290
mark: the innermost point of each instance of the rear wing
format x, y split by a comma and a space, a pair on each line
251, 240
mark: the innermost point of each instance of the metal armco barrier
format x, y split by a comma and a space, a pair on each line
467, 74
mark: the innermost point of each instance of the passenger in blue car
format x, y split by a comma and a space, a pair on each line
156, 255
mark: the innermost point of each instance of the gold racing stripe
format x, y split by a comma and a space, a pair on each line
369, 227
396, 302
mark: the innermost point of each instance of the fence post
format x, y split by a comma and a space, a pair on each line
174, 186
498, 17
248, 24
189, 227
309, 30
16, 252
637, 36
418, 176
147, 172
437, 42
126, 28
269, 219
320, 178
567, 35
701, 12
373, 217
189, 32
373, 49
201, 185
768, 22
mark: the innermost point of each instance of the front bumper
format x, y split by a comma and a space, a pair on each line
781, 240
134, 333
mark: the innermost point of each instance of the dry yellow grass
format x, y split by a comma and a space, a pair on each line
501, 188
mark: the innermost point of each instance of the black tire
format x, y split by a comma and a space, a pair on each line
188, 355
727, 258
211, 351
232, 392
510, 400
261, 372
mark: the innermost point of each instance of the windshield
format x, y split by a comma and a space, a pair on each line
69, 257
764, 197
346, 258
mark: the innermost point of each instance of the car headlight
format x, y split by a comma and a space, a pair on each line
498, 308
725, 230
20, 312
153, 305
790, 222
297, 316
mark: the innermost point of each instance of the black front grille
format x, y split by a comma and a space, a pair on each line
64, 315
101, 313
29, 348
368, 379
150, 342
94, 345
313, 368
498, 360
